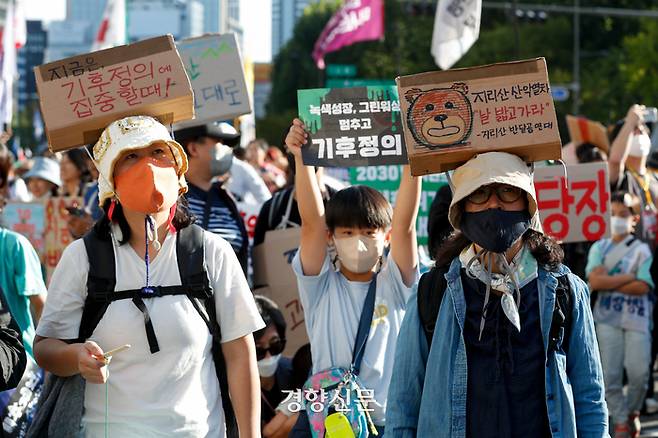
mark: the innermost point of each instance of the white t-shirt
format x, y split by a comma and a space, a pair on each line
174, 392
246, 184
332, 309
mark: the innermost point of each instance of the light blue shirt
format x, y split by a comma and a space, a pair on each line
332, 309
20, 278
427, 396
630, 312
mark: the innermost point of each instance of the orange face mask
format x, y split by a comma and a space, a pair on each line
146, 187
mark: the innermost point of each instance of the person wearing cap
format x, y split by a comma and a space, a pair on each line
208, 148
242, 180
166, 383
43, 179
494, 366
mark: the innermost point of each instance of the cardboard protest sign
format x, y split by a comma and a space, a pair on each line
386, 179
28, 219
450, 116
576, 209
56, 235
351, 127
214, 66
81, 95
273, 259
583, 130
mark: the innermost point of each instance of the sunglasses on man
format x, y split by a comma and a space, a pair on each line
276, 347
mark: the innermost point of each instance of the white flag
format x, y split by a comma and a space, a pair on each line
13, 37
37, 123
456, 28
112, 30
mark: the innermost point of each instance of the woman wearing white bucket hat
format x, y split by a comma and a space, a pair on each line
499, 340
43, 179
175, 292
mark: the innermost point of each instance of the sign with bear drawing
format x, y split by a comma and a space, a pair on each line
450, 116
351, 127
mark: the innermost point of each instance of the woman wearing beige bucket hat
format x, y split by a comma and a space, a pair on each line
499, 340
147, 277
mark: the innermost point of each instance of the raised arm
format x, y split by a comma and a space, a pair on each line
620, 146
404, 249
313, 247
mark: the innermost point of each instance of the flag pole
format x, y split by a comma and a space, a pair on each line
126, 21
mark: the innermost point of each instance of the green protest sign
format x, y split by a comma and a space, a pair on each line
350, 127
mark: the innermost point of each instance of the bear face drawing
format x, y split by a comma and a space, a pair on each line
440, 117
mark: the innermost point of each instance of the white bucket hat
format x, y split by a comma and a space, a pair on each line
132, 133
493, 168
45, 168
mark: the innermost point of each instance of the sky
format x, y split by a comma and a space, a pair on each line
255, 16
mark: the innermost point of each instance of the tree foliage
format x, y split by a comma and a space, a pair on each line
619, 55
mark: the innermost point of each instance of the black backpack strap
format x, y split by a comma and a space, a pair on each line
190, 253
274, 208
101, 281
365, 321
431, 288
562, 315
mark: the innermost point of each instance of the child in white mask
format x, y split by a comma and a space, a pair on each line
618, 268
360, 224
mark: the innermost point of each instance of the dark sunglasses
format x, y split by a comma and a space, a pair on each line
505, 193
276, 347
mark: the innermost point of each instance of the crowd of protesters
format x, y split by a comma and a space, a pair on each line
510, 333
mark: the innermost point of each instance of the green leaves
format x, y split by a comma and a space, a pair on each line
619, 59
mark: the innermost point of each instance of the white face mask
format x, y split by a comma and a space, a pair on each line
640, 146
621, 226
267, 367
359, 254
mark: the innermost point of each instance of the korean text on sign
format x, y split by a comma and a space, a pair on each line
576, 208
352, 127
130, 82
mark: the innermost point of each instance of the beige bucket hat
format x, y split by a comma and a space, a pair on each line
492, 168
127, 134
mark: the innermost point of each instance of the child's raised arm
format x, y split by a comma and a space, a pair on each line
404, 249
313, 248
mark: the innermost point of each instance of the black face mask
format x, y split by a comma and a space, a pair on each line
495, 230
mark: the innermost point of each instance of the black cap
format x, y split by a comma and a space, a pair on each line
221, 131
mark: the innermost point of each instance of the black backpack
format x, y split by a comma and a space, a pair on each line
432, 287
101, 281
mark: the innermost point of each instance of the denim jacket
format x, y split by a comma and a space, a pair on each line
427, 396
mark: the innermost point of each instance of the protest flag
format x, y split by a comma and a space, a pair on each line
13, 38
112, 30
456, 28
357, 20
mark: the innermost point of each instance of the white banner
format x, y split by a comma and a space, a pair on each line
456, 28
